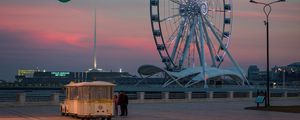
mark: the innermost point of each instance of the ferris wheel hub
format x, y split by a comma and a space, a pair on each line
193, 8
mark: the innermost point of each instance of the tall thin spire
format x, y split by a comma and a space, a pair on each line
95, 39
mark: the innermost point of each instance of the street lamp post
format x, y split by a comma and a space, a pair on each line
267, 10
283, 79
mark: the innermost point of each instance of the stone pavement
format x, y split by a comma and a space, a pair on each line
204, 110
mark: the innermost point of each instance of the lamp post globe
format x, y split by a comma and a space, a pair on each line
64, 1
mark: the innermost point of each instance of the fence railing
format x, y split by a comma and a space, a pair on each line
144, 97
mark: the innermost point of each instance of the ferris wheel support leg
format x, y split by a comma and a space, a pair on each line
238, 67
209, 44
172, 80
228, 53
167, 83
190, 83
200, 21
187, 44
143, 79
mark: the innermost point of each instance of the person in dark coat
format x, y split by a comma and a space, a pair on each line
123, 102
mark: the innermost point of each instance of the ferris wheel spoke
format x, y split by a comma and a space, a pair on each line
200, 22
169, 18
213, 28
177, 2
209, 44
208, 21
216, 36
202, 57
182, 41
179, 36
219, 32
177, 20
188, 42
172, 36
210, 16
212, 10
197, 45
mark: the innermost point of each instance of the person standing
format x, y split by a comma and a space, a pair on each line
116, 104
126, 104
123, 102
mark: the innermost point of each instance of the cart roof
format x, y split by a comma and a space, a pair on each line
94, 83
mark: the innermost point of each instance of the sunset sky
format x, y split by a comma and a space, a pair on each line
58, 37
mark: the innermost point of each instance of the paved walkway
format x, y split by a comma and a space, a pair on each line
206, 110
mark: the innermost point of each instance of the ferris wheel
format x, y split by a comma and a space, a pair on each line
192, 33
186, 31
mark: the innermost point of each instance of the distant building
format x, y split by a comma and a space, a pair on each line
295, 65
60, 78
296, 73
253, 72
25, 73
290, 74
65, 77
262, 76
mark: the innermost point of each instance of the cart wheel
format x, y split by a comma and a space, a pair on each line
66, 113
73, 116
61, 110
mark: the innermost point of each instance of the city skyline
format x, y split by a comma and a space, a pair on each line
56, 36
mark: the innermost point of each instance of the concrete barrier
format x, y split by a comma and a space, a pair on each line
211, 95
21, 98
250, 94
141, 96
165, 96
55, 98
230, 94
188, 96
285, 94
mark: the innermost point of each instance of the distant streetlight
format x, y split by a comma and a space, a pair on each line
267, 10
283, 70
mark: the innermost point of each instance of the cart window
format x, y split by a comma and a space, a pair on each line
83, 93
67, 93
73, 93
100, 93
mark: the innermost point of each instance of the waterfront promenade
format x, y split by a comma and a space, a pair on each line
201, 110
